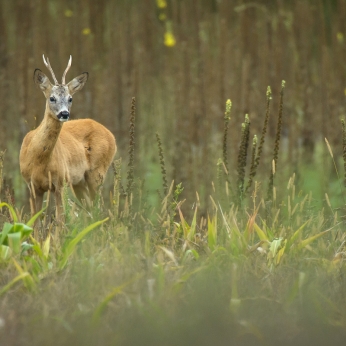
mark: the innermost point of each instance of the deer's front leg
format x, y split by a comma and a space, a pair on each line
36, 201
59, 209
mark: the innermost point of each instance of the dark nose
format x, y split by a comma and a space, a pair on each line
64, 115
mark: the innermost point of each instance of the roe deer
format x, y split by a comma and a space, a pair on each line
78, 152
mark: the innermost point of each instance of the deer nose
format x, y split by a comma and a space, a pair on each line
64, 116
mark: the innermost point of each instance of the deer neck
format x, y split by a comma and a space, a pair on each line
46, 137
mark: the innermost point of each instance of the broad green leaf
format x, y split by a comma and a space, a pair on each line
6, 229
14, 241
274, 247
24, 229
5, 252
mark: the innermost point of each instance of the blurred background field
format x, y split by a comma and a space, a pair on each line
189, 256
182, 60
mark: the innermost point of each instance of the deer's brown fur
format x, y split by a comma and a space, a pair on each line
78, 152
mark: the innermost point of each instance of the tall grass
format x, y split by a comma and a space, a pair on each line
169, 276
222, 49
227, 254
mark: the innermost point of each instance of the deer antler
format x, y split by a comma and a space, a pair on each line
47, 63
67, 68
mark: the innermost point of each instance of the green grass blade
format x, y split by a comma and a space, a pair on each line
72, 244
21, 276
28, 280
212, 233
307, 241
33, 219
260, 232
296, 234
12, 211
192, 231
46, 247
185, 226
116, 291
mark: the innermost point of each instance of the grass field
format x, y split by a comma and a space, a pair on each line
262, 265
221, 222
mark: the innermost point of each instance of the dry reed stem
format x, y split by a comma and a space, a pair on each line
2, 154
225, 133
242, 156
264, 129
253, 163
277, 144
344, 147
162, 165
131, 151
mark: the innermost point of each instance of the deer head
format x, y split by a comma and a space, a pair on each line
59, 96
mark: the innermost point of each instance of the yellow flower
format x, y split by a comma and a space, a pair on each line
162, 16
86, 31
340, 37
161, 3
169, 39
68, 13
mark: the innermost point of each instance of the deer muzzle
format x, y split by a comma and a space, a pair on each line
64, 116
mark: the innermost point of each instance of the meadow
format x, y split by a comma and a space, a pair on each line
222, 217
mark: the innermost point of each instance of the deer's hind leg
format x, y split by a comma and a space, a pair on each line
94, 179
82, 194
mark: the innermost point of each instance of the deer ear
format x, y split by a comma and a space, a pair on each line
77, 83
42, 81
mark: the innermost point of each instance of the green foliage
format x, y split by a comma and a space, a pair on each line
12, 236
69, 247
239, 264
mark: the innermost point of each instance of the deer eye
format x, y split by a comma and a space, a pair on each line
70, 99
52, 99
